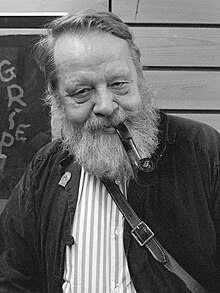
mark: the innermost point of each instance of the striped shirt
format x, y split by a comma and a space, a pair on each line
96, 263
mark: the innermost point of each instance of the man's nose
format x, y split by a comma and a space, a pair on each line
105, 104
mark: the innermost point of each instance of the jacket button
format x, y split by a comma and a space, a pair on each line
70, 240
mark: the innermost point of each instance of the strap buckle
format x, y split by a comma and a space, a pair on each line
142, 233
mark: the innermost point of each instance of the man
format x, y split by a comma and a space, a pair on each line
61, 231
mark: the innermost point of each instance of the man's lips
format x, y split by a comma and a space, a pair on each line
108, 130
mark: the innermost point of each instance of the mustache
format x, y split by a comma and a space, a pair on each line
95, 123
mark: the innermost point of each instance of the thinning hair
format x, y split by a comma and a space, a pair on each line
80, 23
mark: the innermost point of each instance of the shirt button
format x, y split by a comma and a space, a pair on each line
118, 231
117, 289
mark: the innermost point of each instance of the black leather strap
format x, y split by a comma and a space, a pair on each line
145, 237
141, 232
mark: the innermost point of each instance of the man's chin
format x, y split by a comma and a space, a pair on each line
100, 153
108, 164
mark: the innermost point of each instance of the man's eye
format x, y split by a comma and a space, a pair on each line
82, 92
79, 93
120, 87
119, 84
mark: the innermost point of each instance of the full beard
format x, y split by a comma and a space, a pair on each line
103, 154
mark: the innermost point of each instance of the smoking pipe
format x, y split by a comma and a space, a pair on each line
142, 167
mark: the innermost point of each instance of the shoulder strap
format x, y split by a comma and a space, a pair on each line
145, 237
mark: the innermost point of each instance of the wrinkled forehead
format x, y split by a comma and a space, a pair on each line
91, 48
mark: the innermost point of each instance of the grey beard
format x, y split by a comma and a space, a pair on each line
103, 155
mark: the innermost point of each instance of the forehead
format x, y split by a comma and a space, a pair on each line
91, 51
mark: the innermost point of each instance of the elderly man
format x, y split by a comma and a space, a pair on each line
61, 231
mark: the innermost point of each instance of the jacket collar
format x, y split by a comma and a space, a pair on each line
64, 162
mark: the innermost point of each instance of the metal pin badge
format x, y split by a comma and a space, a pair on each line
64, 179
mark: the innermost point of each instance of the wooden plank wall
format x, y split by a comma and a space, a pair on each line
44, 7
180, 45
179, 41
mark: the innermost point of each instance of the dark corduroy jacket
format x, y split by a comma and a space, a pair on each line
181, 205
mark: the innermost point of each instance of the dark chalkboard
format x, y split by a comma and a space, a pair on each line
24, 118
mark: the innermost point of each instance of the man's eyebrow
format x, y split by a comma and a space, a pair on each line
123, 73
78, 79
